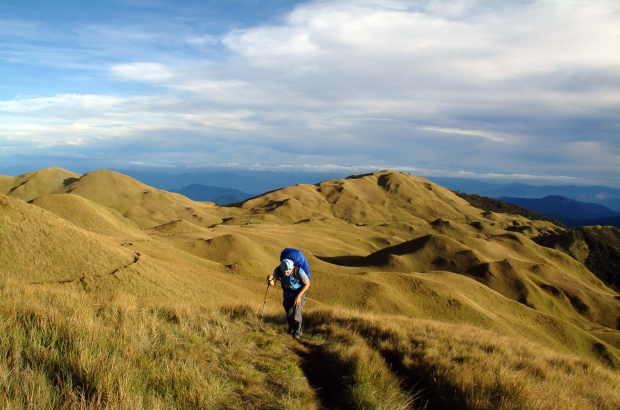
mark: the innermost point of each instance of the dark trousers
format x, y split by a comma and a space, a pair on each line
293, 314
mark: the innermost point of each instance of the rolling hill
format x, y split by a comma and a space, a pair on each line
598, 248
392, 255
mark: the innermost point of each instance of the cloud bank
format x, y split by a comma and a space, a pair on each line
510, 88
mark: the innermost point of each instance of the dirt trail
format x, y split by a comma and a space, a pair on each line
326, 374
136, 258
82, 280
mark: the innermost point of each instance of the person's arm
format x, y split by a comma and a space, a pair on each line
271, 279
303, 290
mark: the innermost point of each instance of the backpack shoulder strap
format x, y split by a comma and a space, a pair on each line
296, 272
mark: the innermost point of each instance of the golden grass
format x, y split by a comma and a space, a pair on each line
101, 314
35, 184
459, 366
62, 349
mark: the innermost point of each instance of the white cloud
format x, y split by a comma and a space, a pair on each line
471, 133
419, 171
526, 38
152, 165
150, 72
476, 84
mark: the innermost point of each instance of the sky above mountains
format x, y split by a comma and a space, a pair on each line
521, 90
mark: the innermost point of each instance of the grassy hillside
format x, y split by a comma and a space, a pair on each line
65, 349
598, 248
122, 296
34, 184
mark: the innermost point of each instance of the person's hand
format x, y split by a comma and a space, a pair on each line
270, 280
297, 302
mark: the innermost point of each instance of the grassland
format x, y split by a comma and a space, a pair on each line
63, 349
598, 248
114, 295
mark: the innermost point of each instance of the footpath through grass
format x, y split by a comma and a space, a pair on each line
62, 349
442, 365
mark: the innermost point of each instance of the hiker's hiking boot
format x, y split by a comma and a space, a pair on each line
294, 329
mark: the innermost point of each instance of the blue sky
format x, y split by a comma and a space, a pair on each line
524, 90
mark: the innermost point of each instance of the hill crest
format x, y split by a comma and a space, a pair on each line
385, 242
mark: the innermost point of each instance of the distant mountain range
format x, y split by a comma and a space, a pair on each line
568, 211
495, 205
252, 182
258, 182
220, 196
609, 197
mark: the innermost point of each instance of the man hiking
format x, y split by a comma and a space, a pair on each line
295, 282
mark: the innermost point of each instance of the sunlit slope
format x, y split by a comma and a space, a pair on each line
513, 266
42, 248
37, 246
382, 243
145, 206
398, 201
34, 184
446, 297
89, 215
230, 267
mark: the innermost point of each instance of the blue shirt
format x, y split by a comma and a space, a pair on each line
292, 283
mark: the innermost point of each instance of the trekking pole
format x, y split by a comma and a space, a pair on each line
264, 304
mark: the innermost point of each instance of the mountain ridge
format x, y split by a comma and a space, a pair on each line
386, 244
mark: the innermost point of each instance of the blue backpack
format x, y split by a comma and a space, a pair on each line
298, 259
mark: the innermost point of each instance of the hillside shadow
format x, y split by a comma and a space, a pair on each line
347, 260
416, 375
380, 257
520, 229
326, 374
359, 176
417, 380
404, 248
69, 181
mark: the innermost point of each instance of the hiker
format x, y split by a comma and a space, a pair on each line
295, 282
